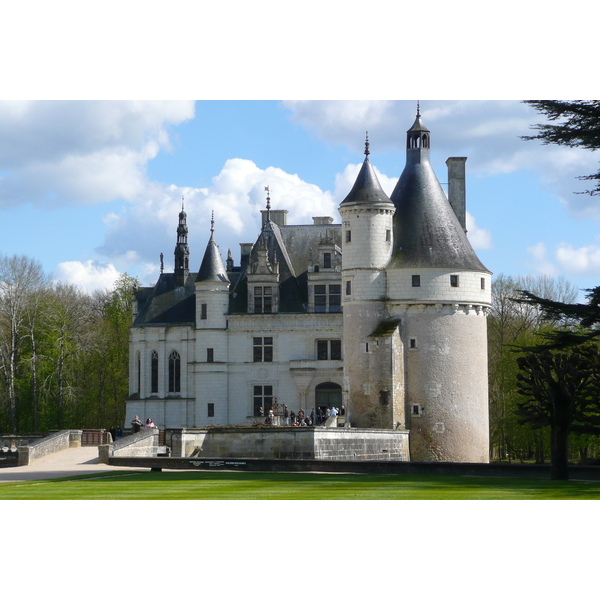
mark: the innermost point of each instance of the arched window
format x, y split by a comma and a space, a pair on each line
154, 372
174, 372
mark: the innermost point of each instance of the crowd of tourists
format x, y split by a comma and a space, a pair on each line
301, 419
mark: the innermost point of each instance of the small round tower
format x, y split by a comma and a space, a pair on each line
212, 306
367, 240
440, 293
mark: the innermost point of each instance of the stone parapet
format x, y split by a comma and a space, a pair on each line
144, 443
319, 443
55, 442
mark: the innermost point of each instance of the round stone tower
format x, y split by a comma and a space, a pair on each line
210, 366
367, 239
439, 293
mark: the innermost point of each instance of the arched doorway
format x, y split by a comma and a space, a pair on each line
327, 395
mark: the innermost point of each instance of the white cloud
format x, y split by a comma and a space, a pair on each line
236, 195
89, 276
579, 261
59, 153
541, 262
481, 239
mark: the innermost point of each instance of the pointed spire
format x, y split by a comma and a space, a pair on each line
182, 251
212, 268
366, 189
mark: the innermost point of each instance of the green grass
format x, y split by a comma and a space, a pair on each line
203, 485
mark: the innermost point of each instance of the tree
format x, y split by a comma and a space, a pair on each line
574, 123
512, 325
580, 321
562, 392
20, 278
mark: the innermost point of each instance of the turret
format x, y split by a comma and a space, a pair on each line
212, 287
366, 234
182, 251
371, 363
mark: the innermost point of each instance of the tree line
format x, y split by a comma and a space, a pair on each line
536, 382
63, 352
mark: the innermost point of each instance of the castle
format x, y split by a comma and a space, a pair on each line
384, 314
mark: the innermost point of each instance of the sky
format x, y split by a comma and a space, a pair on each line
93, 188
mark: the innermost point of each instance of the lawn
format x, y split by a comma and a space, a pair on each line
204, 485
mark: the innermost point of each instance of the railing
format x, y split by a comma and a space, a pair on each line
95, 437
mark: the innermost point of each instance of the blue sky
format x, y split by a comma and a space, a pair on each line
93, 188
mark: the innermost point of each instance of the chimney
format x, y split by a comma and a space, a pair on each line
457, 189
322, 220
277, 216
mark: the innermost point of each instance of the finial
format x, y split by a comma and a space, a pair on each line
367, 145
212, 222
162, 263
182, 203
418, 109
268, 203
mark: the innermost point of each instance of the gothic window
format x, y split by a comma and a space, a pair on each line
263, 299
328, 298
329, 350
262, 399
416, 281
154, 372
174, 372
262, 349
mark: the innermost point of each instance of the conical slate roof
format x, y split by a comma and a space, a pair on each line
212, 267
427, 233
366, 189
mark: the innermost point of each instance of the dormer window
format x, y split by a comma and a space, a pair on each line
263, 299
328, 298
327, 260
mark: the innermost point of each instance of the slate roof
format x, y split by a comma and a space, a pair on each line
292, 246
166, 303
427, 233
212, 267
366, 189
